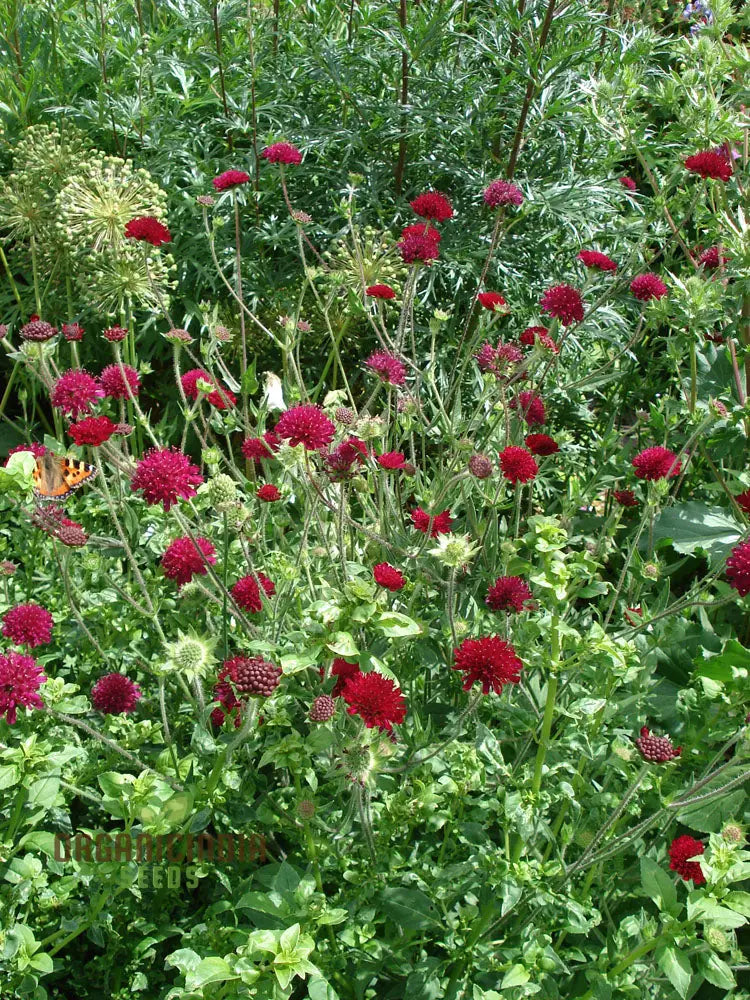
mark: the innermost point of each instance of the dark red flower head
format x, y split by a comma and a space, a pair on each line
501, 192
680, 850
282, 152
75, 392
268, 493
710, 164
380, 292
743, 499
164, 475
20, 680
375, 699
230, 179
92, 430
656, 749
306, 425
37, 450
73, 331
628, 182
257, 448
37, 331
491, 661
115, 334
530, 406
533, 335
419, 229
541, 444
517, 464
251, 675
391, 460
480, 466
648, 286
183, 559
220, 397
343, 671
388, 576
387, 367
148, 229
114, 386
656, 463
436, 524
712, 258
247, 591
564, 303
115, 694
322, 709
600, 261
418, 247
738, 568
28, 625
509, 593
492, 301
343, 461
626, 498
432, 205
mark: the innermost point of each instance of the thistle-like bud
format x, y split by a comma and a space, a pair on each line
454, 550
480, 466
191, 655
222, 493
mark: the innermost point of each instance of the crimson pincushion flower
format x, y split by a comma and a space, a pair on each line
282, 152
230, 179
268, 493
533, 335
680, 850
418, 246
388, 576
375, 699
258, 448
115, 334
626, 498
600, 261
530, 406
432, 205
221, 398
628, 182
343, 671
564, 303
387, 367
307, 425
709, 164
648, 286
164, 475
340, 461
541, 444
37, 450
246, 591
490, 300
115, 694
656, 463
75, 391
28, 625
380, 292
743, 499
509, 593
491, 661
517, 464
251, 675
73, 331
92, 430
20, 680
149, 230
436, 524
656, 749
182, 560
37, 331
738, 568
391, 460
115, 386
711, 258
501, 192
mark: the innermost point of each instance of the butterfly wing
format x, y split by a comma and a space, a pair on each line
55, 478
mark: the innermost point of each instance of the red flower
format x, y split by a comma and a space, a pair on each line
380, 292
709, 164
182, 560
712, 258
738, 568
432, 205
149, 229
306, 425
517, 465
563, 302
322, 709
230, 179
499, 193
164, 475
343, 671
75, 391
490, 300
648, 286
388, 576
28, 625
626, 498
480, 466
115, 386
421, 230
258, 448
418, 246
509, 593
224, 693
656, 463
531, 407
436, 524
115, 334
115, 694
592, 258
92, 430
538, 335
221, 398
743, 499
37, 450
282, 152
628, 182
387, 367
341, 460
20, 680
251, 675
680, 850
656, 749
246, 591
268, 493
37, 331
375, 699
541, 444
391, 460
490, 660
73, 331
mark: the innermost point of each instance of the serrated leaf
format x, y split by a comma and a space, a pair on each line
658, 886
695, 527
676, 967
716, 971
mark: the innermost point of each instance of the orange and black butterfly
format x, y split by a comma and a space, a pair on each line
56, 477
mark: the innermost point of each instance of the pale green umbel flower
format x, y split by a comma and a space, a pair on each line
191, 655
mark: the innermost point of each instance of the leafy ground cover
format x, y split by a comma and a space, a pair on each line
374, 547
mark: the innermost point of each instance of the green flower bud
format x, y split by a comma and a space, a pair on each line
222, 492
717, 939
454, 550
192, 655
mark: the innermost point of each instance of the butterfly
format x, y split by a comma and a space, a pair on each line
56, 477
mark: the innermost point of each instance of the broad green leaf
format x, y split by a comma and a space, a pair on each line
716, 971
515, 976
695, 527
9, 775
320, 989
185, 959
343, 644
709, 817
676, 967
722, 668
177, 808
409, 908
659, 886
43, 792
739, 901
209, 970
396, 625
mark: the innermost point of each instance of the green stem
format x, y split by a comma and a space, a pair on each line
35, 276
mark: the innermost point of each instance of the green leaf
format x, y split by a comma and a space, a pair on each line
716, 971
658, 886
209, 970
9, 775
739, 901
722, 668
320, 989
42, 962
396, 625
43, 792
695, 527
177, 808
709, 817
409, 908
343, 644
294, 662
676, 967
515, 976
